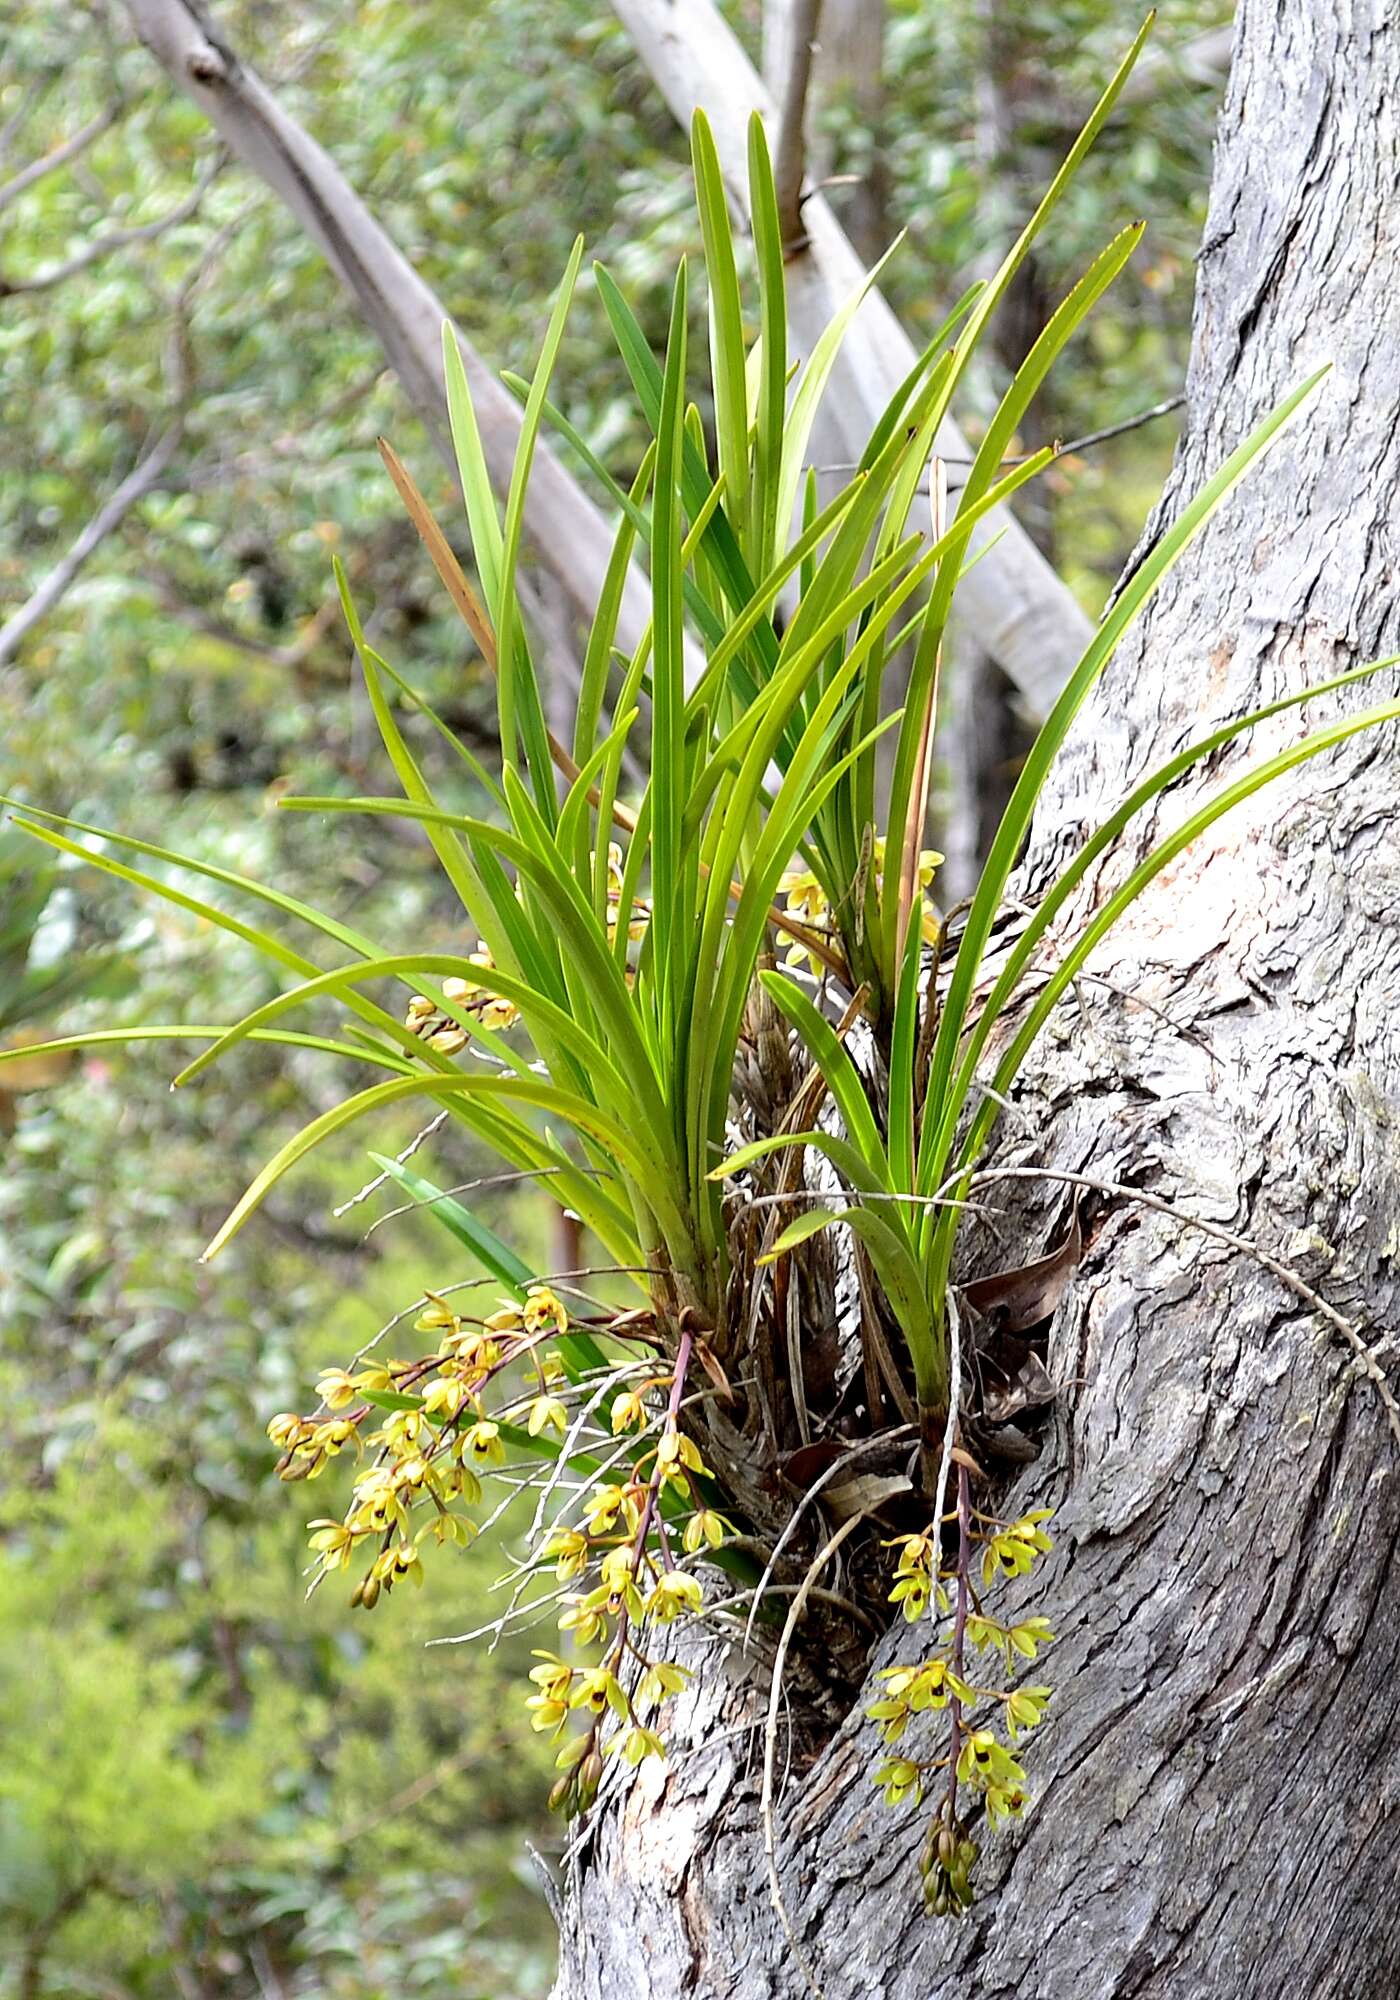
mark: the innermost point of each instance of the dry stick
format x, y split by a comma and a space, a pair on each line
468, 603
116, 239
1365, 1359
49, 163
770, 1741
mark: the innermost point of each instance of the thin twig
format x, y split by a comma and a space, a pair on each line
460, 1187
1062, 449
442, 1292
116, 239
49, 163
1147, 416
373, 1187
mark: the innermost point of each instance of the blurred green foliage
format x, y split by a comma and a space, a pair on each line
208, 1787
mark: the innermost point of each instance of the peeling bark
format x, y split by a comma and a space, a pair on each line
1218, 1785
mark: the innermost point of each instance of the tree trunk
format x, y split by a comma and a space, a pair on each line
1218, 1788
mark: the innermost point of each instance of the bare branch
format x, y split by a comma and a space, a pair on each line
144, 475
19, 117
210, 626
567, 531
117, 239
790, 160
49, 163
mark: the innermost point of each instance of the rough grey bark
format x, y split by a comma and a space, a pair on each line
1218, 1810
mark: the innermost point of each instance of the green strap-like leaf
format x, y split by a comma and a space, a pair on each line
517, 690
830, 1055
603, 634
182, 1031
630, 1149
579, 1350
772, 388
556, 887
726, 316
811, 386
940, 1124
482, 518
1157, 781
